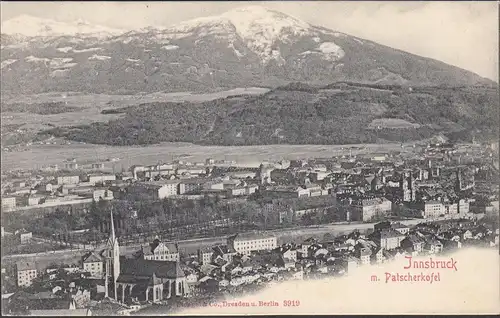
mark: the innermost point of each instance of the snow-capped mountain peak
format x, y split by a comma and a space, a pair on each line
257, 26
34, 26
260, 28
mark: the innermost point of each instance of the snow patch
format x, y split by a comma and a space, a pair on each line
61, 63
91, 49
96, 57
65, 49
331, 51
237, 52
34, 26
170, 47
316, 39
328, 51
308, 52
7, 63
33, 59
133, 60
59, 73
358, 40
216, 25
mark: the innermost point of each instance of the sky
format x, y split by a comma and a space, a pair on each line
464, 34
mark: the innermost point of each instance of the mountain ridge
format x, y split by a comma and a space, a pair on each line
241, 48
298, 113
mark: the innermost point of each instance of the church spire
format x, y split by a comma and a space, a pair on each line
112, 236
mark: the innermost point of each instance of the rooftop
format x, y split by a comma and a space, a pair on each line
251, 236
148, 268
26, 265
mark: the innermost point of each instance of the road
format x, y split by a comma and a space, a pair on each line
191, 246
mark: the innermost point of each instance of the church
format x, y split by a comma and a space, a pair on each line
140, 279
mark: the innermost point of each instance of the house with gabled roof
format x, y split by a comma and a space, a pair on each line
377, 255
93, 263
413, 244
159, 251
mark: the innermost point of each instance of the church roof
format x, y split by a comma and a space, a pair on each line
147, 268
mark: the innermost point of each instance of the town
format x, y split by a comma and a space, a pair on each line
177, 234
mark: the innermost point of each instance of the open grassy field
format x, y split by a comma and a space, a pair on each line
37, 156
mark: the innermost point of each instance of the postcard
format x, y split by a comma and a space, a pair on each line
249, 158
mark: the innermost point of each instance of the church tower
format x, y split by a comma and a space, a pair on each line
112, 253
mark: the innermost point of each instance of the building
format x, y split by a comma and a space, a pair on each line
188, 186
97, 166
149, 280
155, 190
140, 279
68, 180
34, 199
287, 192
101, 178
413, 244
242, 190
364, 255
463, 206
159, 251
432, 209
246, 243
102, 194
265, 173
111, 255
205, 256
23, 237
94, 264
8, 204
70, 166
387, 239
26, 272
223, 251
364, 210
401, 228
81, 298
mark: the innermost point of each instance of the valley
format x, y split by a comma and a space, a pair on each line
45, 155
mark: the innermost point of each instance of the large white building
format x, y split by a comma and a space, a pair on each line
26, 272
365, 210
246, 243
433, 209
94, 264
187, 186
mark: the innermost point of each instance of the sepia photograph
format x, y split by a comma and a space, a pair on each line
249, 158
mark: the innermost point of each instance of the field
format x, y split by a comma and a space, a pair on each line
85, 109
39, 156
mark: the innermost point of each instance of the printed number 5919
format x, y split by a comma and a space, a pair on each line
291, 303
